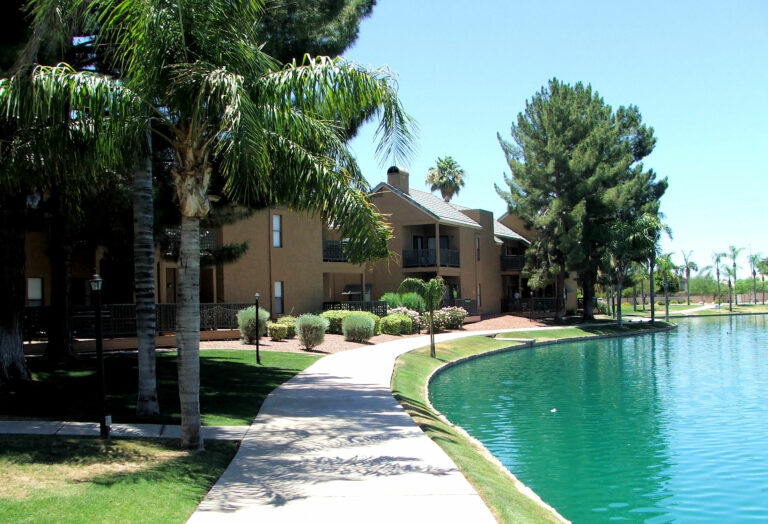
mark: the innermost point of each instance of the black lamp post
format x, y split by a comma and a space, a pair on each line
258, 328
104, 419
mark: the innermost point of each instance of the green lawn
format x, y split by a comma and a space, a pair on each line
492, 481
740, 309
675, 309
231, 392
57, 479
542, 335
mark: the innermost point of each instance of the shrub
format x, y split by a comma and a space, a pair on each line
246, 323
335, 318
454, 316
358, 327
277, 331
416, 320
396, 324
602, 308
412, 301
440, 320
290, 323
625, 304
367, 314
311, 330
659, 302
393, 300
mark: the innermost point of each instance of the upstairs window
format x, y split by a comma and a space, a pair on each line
277, 231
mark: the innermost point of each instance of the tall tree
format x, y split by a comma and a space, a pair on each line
754, 262
733, 254
447, 177
432, 292
666, 270
731, 276
762, 266
688, 266
575, 165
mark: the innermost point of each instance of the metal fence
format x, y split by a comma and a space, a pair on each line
376, 307
536, 306
119, 320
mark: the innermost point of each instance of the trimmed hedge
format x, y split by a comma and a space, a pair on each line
290, 323
246, 323
358, 328
311, 330
396, 324
335, 318
277, 331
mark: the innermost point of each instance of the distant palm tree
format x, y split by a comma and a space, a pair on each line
730, 273
447, 177
733, 254
754, 262
688, 266
432, 292
717, 258
762, 266
666, 267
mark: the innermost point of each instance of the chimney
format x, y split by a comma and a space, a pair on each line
398, 178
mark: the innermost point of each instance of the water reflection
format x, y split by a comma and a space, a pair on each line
638, 425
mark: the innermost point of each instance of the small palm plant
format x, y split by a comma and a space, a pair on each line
432, 292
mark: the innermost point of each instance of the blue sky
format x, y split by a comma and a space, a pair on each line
697, 71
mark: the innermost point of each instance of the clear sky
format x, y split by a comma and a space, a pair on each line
697, 70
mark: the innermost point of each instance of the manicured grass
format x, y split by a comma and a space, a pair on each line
582, 331
740, 309
673, 309
57, 479
494, 484
231, 392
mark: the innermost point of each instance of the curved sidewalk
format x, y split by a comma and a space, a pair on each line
333, 445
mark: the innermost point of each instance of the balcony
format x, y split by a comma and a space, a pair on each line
428, 257
512, 262
333, 251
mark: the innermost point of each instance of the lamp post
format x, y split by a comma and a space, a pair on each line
104, 419
258, 328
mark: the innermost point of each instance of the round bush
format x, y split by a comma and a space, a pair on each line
311, 330
290, 323
396, 324
393, 300
277, 331
358, 328
246, 323
335, 318
416, 320
453, 317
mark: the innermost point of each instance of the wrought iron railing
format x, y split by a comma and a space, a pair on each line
376, 307
171, 239
333, 251
536, 305
512, 262
119, 320
428, 257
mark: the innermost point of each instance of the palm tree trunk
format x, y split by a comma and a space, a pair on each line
618, 294
143, 260
188, 332
735, 295
642, 291
688, 285
754, 285
634, 299
588, 289
717, 272
13, 365
666, 298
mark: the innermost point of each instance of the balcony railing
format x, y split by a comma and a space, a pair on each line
428, 257
512, 262
333, 251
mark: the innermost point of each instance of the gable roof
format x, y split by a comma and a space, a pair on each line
439, 209
502, 231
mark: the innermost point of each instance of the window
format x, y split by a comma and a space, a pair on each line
278, 307
477, 247
35, 291
479, 296
277, 231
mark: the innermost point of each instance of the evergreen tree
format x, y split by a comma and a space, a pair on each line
575, 167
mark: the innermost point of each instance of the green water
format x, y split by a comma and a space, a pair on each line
669, 427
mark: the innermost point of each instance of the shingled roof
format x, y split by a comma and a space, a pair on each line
444, 212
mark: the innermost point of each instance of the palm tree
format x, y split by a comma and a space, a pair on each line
629, 242
216, 98
754, 262
763, 267
666, 267
688, 266
733, 253
447, 177
717, 258
432, 292
731, 274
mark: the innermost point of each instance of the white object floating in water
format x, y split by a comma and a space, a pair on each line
553, 410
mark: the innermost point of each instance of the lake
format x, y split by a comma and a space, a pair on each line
668, 427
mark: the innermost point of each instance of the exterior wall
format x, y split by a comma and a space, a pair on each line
517, 225
38, 264
488, 268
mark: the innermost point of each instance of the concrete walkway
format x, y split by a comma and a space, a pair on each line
332, 445
91, 429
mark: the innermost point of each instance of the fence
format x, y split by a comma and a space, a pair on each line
376, 307
470, 305
119, 320
533, 307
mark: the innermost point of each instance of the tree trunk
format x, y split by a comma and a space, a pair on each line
642, 291
634, 299
688, 285
719, 295
618, 308
735, 295
588, 290
144, 264
188, 332
59, 347
653, 290
754, 285
666, 298
559, 299
13, 365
